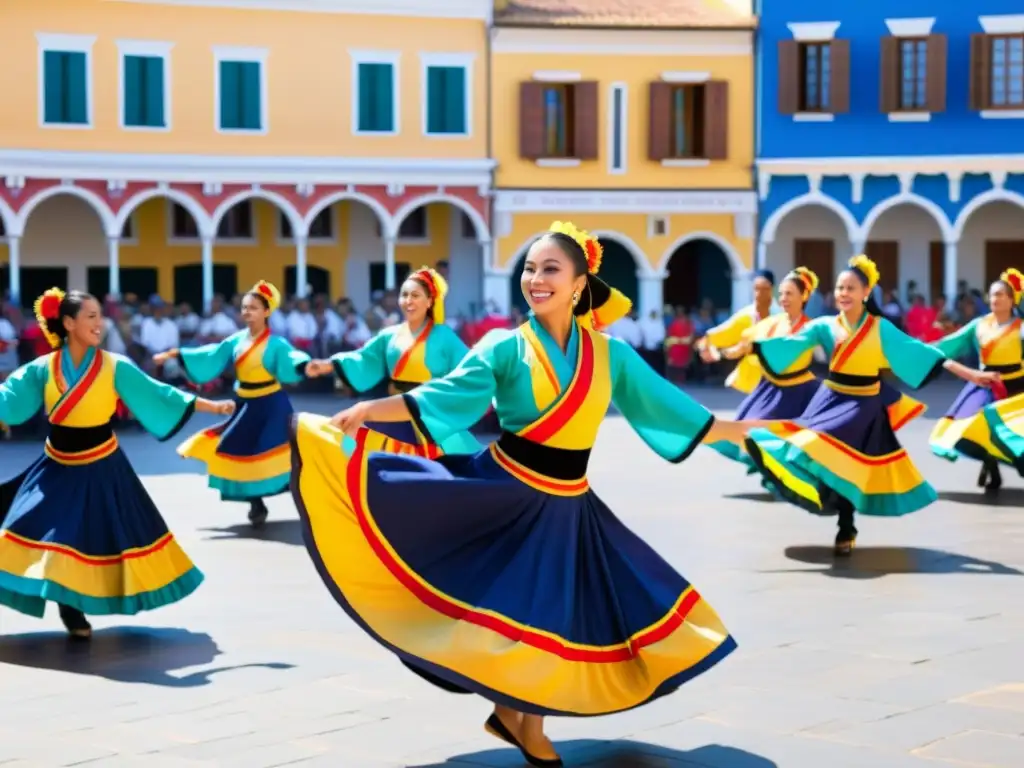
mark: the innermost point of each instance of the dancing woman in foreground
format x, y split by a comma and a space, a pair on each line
247, 456
418, 350
967, 427
842, 454
502, 573
77, 527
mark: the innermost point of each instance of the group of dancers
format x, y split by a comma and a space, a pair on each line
437, 546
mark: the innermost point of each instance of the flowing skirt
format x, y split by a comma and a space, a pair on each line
967, 429
247, 456
90, 537
481, 583
1005, 421
845, 445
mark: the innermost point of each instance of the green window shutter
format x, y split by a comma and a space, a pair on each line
376, 98
230, 88
252, 117
53, 87
133, 91
385, 97
455, 100
435, 99
153, 91
77, 90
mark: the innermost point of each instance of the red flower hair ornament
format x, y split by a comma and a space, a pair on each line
268, 292
1015, 280
47, 308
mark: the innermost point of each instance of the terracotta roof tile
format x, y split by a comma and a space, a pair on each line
670, 14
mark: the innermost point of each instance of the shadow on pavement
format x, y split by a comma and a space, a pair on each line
1007, 497
592, 753
280, 531
126, 655
761, 496
875, 562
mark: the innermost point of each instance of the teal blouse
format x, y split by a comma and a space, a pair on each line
367, 367
160, 408
282, 361
913, 361
496, 370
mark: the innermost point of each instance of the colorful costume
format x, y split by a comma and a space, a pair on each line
967, 428
80, 529
844, 444
747, 373
247, 456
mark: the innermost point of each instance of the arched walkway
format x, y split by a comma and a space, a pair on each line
91, 199
64, 244
907, 242
203, 221
810, 231
698, 269
991, 239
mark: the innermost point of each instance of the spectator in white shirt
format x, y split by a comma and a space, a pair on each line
8, 347
628, 330
188, 323
302, 327
356, 332
652, 329
160, 334
219, 325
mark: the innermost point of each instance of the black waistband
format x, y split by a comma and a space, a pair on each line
793, 375
256, 384
848, 380
559, 463
1012, 368
77, 439
402, 387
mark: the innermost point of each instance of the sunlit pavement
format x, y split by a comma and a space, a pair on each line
908, 655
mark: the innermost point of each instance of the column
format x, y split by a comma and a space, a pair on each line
497, 290
742, 287
207, 272
389, 263
949, 282
856, 249
301, 272
762, 255
114, 263
652, 292
14, 267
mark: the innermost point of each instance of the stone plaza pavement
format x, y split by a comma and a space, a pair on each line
910, 655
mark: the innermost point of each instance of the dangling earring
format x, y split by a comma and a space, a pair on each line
575, 298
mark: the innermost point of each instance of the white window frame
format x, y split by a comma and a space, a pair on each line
154, 49
463, 61
59, 43
377, 57
223, 53
332, 213
623, 118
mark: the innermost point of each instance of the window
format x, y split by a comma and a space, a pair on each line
447, 103
558, 121
617, 130
376, 95
183, 225
997, 72
66, 88
321, 228
688, 121
814, 78
913, 74
241, 89
145, 96
237, 222
413, 227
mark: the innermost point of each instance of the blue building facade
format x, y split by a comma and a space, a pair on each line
894, 128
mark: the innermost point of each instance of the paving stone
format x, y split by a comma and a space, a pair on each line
978, 748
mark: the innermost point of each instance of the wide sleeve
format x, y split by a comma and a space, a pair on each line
914, 362
778, 353
730, 332
364, 368
206, 363
161, 409
284, 362
454, 348
960, 343
671, 422
453, 403
21, 395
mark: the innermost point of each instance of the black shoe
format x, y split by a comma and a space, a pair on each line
495, 727
983, 476
258, 513
75, 622
995, 480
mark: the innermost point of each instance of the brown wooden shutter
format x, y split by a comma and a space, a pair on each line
891, 75
981, 71
716, 119
936, 269
659, 142
531, 120
936, 92
840, 91
789, 77
584, 116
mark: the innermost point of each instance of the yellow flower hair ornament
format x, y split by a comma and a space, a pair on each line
866, 267
1015, 279
269, 293
805, 277
437, 287
47, 307
590, 244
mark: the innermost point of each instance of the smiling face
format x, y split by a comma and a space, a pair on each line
850, 291
414, 302
549, 280
791, 296
1000, 300
86, 328
254, 312
762, 291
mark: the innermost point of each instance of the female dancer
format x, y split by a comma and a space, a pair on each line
996, 338
747, 373
842, 454
80, 529
247, 456
418, 350
513, 580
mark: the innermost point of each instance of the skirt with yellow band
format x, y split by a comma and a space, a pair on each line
844, 445
247, 456
1005, 421
966, 429
86, 534
442, 562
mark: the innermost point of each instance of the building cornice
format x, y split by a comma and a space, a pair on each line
623, 42
447, 9
624, 201
226, 169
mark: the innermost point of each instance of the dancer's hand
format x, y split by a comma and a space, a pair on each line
163, 357
219, 407
724, 430
985, 378
709, 354
315, 368
351, 419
